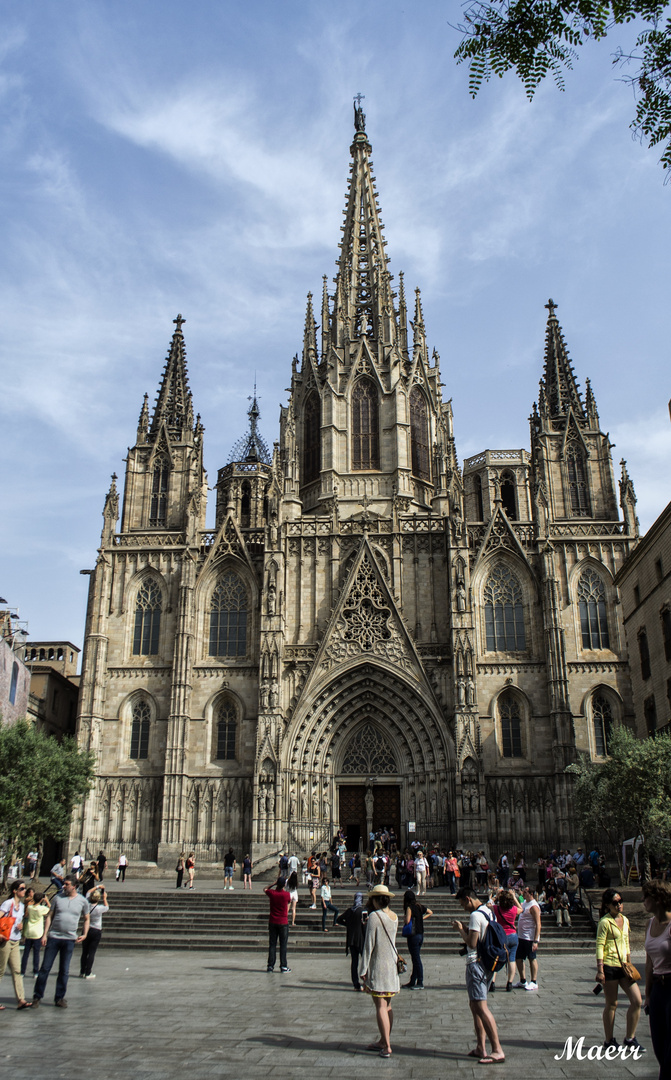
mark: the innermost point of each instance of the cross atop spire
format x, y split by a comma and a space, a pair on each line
174, 404
179, 322
552, 307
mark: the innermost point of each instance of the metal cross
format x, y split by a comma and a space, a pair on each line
359, 98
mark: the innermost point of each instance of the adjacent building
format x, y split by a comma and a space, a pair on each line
54, 686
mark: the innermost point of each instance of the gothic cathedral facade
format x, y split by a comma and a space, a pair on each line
371, 634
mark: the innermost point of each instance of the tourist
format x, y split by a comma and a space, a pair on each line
76, 865
278, 923
102, 865
561, 908
121, 868
612, 952
179, 870
37, 909
190, 867
477, 979
529, 936
60, 938
292, 889
335, 870
99, 906
89, 878
31, 864
57, 874
657, 900
229, 869
378, 968
314, 884
294, 864
325, 894
10, 956
415, 914
421, 870
354, 921
503, 869
451, 868
247, 866
506, 908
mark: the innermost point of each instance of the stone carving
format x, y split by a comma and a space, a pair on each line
274, 696
272, 598
434, 806
461, 596
292, 803
369, 753
366, 624
304, 803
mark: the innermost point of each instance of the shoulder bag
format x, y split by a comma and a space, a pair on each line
630, 970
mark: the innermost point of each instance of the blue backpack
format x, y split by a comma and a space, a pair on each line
492, 948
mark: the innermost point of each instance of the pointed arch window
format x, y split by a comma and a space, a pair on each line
504, 611
312, 439
479, 505
602, 719
511, 725
644, 653
419, 435
148, 606
158, 513
509, 495
576, 471
139, 735
592, 607
246, 505
365, 426
228, 617
227, 730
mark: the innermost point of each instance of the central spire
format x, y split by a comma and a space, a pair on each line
173, 404
559, 384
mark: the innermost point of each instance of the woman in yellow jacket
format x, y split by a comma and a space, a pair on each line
612, 950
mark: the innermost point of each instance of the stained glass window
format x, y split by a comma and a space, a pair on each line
602, 716
227, 723
147, 619
504, 611
139, 738
511, 725
365, 426
577, 478
419, 435
228, 617
592, 607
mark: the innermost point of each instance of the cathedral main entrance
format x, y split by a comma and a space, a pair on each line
354, 813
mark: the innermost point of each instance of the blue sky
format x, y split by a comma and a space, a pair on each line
158, 158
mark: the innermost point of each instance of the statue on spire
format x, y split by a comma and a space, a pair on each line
359, 115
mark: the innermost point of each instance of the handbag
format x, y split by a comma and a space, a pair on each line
401, 965
6, 926
630, 970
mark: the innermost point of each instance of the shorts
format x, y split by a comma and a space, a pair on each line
228, 871
613, 974
512, 941
526, 950
477, 981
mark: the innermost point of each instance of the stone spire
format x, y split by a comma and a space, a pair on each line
309, 335
143, 422
174, 406
559, 382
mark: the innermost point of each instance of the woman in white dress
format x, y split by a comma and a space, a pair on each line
378, 964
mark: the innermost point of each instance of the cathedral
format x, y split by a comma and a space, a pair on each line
372, 633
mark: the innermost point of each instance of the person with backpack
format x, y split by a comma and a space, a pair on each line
485, 952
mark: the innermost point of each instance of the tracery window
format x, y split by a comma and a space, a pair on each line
227, 726
228, 617
369, 754
511, 725
665, 616
602, 719
311, 439
13, 684
576, 471
148, 607
592, 607
158, 513
504, 611
508, 495
365, 426
419, 435
139, 736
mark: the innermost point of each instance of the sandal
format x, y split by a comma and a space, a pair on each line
25, 1005
385, 1053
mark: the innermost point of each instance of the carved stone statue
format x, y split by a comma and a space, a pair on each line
411, 806
422, 806
272, 598
370, 802
263, 695
461, 692
292, 804
262, 801
461, 596
434, 806
315, 805
326, 804
274, 696
304, 803
270, 800
471, 692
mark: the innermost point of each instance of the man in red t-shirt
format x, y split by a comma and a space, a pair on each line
278, 923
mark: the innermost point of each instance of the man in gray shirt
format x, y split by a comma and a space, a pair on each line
60, 938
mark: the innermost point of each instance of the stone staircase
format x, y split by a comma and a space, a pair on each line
239, 920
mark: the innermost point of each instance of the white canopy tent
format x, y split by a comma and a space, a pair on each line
630, 855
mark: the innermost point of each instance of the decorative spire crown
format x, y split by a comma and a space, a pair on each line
251, 447
173, 404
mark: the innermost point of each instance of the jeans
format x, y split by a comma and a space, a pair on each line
31, 945
277, 932
449, 874
415, 948
355, 954
89, 947
62, 948
328, 906
660, 1025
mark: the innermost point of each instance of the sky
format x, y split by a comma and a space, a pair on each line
159, 157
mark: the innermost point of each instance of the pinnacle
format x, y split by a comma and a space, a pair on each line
559, 386
173, 403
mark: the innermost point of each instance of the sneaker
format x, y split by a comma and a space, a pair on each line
634, 1044
313, 907
492, 988
416, 987
531, 986
36, 1002
269, 971
408, 986
285, 969
89, 976
61, 1003
519, 985
611, 1042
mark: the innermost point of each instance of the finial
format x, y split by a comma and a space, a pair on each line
179, 322
552, 307
359, 115
114, 478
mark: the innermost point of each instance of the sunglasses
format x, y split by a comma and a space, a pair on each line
618, 901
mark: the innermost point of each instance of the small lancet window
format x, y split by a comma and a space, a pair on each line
644, 653
504, 611
246, 505
509, 495
479, 505
602, 717
158, 514
148, 608
592, 607
139, 736
14, 683
576, 470
419, 435
228, 617
511, 725
227, 724
311, 439
365, 426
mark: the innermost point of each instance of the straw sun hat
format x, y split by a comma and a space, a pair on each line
381, 890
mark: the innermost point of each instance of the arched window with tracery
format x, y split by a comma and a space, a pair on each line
509, 495
576, 471
510, 717
158, 513
365, 426
228, 617
148, 607
419, 435
504, 611
592, 607
311, 439
602, 719
139, 735
227, 730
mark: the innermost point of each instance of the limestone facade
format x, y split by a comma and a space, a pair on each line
371, 634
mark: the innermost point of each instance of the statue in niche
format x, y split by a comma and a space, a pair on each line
422, 805
272, 598
292, 804
262, 801
274, 696
370, 802
434, 806
304, 803
326, 803
461, 596
263, 695
411, 806
445, 806
270, 801
471, 692
315, 805
461, 692
274, 531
